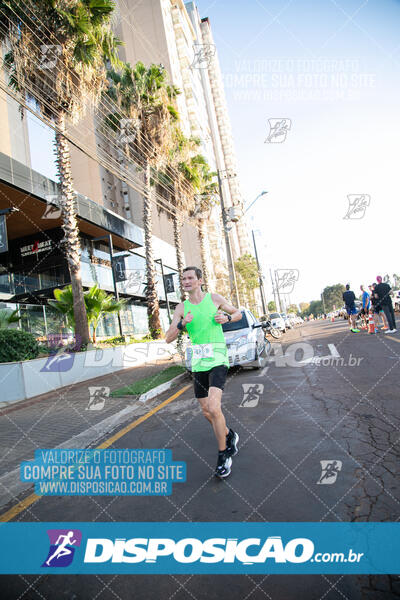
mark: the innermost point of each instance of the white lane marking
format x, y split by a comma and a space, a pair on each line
314, 360
333, 351
263, 371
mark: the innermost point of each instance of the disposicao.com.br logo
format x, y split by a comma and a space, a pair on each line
247, 551
199, 548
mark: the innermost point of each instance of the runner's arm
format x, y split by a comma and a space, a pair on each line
173, 330
224, 305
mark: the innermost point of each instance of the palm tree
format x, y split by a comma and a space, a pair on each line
56, 59
198, 173
142, 94
97, 302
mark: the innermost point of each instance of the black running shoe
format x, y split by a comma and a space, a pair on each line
231, 443
223, 468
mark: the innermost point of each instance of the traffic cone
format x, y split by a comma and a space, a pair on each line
371, 323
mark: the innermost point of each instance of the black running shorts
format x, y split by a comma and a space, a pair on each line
203, 380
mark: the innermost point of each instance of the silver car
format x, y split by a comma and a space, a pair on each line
245, 341
277, 321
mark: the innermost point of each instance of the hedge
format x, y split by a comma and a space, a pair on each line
17, 345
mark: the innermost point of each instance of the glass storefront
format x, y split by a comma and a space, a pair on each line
38, 266
43, 320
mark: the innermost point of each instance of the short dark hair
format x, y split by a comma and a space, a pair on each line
198, 272
347, 286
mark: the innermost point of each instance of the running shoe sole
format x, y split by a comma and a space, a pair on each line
227, 473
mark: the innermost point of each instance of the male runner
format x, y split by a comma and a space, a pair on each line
348, 298
203, 315
382, 292
365, 299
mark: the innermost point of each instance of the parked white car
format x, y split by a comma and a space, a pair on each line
277, 321
245, 340
288, 321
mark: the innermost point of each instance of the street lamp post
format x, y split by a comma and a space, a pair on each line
260, 276
323, 301
260, 279
231, 268
277, 292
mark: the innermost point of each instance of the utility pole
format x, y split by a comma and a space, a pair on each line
259, 275
231, 267
277, 291
323, 301
273, 289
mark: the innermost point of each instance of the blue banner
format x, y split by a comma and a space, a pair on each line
215, 548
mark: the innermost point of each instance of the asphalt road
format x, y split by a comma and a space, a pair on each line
327, 395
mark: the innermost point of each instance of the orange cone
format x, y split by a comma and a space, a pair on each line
371, 323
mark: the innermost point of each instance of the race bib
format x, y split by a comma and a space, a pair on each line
202, 351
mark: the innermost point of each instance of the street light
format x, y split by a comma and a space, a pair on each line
254, 201
225, 220
260, 276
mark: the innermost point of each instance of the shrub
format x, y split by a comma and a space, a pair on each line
17, 345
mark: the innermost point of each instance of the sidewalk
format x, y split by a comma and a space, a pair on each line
49, 420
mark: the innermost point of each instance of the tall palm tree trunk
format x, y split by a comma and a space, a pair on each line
153, 306
177, 225
71, 239
202, 239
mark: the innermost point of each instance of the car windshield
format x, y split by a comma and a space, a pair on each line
274, 316
236, 325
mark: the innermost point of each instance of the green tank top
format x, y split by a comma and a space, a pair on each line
208, 342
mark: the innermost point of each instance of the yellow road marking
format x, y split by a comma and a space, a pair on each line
151, 412
31, 499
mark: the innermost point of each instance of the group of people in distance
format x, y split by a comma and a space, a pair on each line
378, 299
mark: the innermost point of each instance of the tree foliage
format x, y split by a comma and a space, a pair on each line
304, 306
333, 295
98, 303
292, 309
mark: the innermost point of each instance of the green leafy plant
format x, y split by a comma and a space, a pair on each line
97, 302
17, 345
8, 317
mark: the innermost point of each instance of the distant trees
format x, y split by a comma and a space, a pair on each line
333, 296
292, 309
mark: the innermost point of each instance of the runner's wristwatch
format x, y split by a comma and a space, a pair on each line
229, 317
180, 326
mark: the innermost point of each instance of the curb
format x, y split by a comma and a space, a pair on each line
159, 389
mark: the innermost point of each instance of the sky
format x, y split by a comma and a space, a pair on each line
328, 70
331, 69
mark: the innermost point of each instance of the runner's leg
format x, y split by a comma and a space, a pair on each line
211, 407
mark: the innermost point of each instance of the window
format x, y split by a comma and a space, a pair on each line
242, 324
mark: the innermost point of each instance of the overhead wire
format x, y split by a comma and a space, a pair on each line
151, 148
